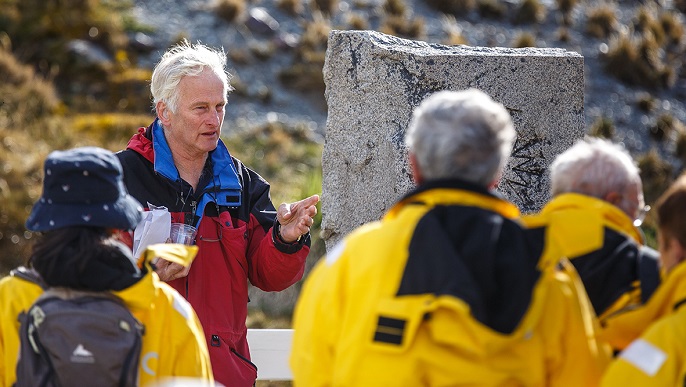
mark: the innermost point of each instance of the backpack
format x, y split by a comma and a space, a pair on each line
71, 337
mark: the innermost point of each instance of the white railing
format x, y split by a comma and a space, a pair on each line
269, 350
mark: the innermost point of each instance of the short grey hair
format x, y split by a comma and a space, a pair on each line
461, 134
185, 59
593, 167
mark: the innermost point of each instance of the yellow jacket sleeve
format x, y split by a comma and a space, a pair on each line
16, 296
654, 359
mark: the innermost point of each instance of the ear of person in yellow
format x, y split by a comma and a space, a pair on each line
172, 252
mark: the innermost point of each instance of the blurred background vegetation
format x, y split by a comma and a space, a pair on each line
71, 75
53, 97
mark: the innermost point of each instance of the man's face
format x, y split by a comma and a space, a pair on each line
193, 129
632, 201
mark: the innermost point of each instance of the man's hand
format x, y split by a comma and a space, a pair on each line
296, 218
170, 270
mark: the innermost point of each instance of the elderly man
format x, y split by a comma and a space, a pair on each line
593, 218
447, 288
658, 356
180, 162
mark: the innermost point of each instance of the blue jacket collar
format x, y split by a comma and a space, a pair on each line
224, 189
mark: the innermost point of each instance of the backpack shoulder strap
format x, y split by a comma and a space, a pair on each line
30, 275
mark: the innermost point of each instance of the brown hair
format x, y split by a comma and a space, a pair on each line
671, 211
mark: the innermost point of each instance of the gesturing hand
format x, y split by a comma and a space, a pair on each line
296, 218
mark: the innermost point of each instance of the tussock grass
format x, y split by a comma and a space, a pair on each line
403, 26
566, 7
229, 10
656, 174
529, 11
357, 21
327, 7
306, 72
452, 30
603, 127
293, 7
493, 9
601, 20
524, 39
395, 7
453, 7
637, 60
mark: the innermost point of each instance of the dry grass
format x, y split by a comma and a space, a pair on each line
601, 20
453, 31
646, 102
656, 174
357, 21
395, 7
603, 127
327, 7
566, 7
563, 34
229, 10
529, 11
293, 7
26, 97
524, 39
636, 60
493, 9
645, 22
453, 7
666, 127
673, 28
305, 73
403, 26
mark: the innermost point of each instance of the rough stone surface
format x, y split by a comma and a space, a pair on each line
374, 81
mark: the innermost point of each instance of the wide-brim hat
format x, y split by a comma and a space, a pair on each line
84, 187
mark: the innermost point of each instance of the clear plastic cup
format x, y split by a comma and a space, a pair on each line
182, 233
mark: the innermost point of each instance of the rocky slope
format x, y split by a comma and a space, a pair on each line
196, 19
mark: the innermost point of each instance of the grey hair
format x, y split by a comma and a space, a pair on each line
185, 59
461, 134
593, 167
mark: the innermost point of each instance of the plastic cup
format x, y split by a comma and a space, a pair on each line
182, 233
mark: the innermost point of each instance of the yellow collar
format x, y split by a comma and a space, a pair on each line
451, 196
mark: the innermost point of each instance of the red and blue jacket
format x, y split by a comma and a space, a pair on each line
234, 215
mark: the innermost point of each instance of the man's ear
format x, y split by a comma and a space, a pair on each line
414, 169
614, 198
163, 113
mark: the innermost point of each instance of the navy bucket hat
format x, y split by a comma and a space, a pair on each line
84, 187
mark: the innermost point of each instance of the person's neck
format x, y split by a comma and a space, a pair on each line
190, 167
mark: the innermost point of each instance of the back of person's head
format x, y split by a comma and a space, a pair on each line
671, 211
185, 59
461, 135
83, 201
597, 168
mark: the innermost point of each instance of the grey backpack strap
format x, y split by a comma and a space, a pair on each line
30, 275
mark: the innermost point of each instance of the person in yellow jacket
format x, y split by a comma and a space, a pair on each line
658, 356
593, 218
448, 288
83, 205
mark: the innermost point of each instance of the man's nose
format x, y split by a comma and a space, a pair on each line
215, 118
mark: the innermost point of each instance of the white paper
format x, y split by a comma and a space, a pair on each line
153, 228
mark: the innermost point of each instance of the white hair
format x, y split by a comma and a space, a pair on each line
185, 59
461, 134
593, 167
